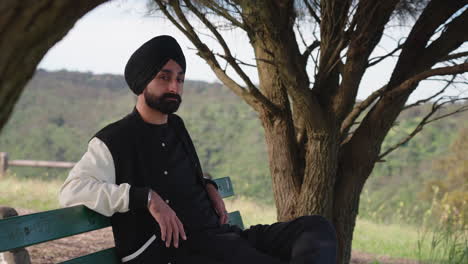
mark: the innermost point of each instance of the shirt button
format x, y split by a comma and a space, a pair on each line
163, 144
167, 201
165, 172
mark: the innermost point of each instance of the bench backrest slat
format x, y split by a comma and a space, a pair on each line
224, 187
26, 230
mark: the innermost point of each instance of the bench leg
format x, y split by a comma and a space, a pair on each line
17, 256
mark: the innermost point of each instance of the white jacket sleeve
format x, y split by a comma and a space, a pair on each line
92, 183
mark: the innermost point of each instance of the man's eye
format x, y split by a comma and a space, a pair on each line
180, 80
163, 77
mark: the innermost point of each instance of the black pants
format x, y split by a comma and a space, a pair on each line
307, 239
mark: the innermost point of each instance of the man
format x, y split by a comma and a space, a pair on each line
144, 172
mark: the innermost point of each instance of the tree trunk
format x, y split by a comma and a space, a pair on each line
280, 140
28, 30
354, 167
315, 193
317, 190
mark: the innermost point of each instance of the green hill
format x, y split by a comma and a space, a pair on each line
60, 111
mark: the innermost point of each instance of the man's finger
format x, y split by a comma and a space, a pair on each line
220, 211
224, 218
181, 229
175, 233
162, 226
168, 233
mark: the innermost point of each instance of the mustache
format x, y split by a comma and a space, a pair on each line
166, 96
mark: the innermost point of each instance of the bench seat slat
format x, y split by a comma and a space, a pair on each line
236, 219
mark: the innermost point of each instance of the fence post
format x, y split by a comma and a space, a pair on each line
3, 163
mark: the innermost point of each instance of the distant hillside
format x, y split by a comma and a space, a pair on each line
60, 111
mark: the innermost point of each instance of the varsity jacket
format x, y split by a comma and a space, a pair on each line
114, 178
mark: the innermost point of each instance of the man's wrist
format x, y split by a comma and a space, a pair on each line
210, 181
149, 198
138, 198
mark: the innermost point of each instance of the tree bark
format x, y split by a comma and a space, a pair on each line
28, 29
280, 139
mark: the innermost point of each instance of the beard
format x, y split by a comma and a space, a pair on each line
163, 103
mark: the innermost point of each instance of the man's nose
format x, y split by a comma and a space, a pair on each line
174, 86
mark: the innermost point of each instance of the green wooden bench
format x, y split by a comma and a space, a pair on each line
27, 230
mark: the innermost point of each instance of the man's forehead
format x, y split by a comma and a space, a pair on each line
165, 70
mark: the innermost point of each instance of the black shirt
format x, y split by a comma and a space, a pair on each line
177, 182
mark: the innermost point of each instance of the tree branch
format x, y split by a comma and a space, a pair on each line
227, 52
236, 60
409, 83
312, 11
376, 60
370, 26
449, 40
353, 22
454, 56
368, 137
460, 110
232, 61
309, 50
254, 98
356, 112
426, 120
414, 56
224, 13
423, 101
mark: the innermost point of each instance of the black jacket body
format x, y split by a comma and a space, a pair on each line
134, 166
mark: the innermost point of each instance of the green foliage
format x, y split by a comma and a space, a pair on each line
450, 187
392, 192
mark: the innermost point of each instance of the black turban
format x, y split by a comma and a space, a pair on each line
148, 60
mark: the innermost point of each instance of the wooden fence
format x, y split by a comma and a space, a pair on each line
5, 163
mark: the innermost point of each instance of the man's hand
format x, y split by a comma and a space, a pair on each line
171, 227
218, 203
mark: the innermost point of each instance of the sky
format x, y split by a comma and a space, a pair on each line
103, 40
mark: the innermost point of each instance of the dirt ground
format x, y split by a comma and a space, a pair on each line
79, 245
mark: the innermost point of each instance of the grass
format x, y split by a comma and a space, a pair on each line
29, 193
392, 240
252, 213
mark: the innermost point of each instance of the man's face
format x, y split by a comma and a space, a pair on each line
164, 92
